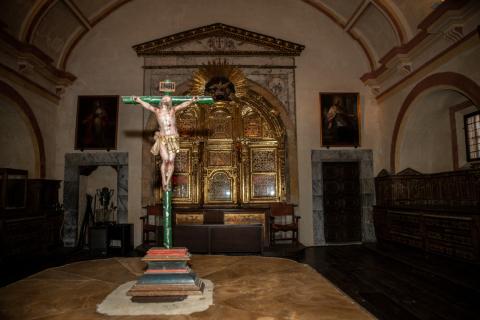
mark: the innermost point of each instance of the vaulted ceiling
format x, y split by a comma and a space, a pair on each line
56, 26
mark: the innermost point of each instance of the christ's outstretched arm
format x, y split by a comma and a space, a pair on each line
186, 104
147, 106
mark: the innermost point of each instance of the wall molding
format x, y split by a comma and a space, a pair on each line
27, 56
25, 82
451, 22
457, 47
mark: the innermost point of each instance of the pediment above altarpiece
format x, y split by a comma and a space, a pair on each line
218, 39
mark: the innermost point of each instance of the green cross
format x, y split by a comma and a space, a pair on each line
167, 195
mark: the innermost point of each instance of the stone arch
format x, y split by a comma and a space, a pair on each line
36, 135
444, 80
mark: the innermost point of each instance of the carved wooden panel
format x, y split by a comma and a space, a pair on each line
438, 231
185, 178
218, 158
189, 218
255, 126
252, 125
405, 228
187, 123
263, 160
181, 186
447, 189
220, 124
264, 185
220, 187
246, 218
182, 161
268, 132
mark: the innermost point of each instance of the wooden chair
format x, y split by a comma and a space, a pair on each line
283, 219
150, 227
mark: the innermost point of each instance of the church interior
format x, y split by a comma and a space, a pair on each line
334, 175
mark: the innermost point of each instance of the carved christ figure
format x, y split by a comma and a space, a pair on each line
166, 138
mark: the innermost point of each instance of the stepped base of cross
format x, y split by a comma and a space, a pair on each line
168, 278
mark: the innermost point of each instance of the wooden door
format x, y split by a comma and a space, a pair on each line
341, 189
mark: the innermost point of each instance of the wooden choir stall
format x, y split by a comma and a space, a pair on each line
436, 213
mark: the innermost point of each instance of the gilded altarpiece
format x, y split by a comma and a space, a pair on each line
232, 153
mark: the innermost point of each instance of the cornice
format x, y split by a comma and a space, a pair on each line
442, 9
17, 77
30, 56
402, 62
277, 46
400, 79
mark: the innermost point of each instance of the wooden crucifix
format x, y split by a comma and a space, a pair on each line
166, 139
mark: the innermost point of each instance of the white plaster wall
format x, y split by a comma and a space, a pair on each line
426, 144
105, 63
16, 143
44, 111
465, 63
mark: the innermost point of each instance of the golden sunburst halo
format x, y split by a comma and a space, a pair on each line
219, 70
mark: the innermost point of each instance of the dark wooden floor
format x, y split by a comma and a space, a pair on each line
393, 283
21, 267
390, 282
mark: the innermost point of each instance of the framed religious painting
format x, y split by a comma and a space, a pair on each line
340, 119
97, 118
